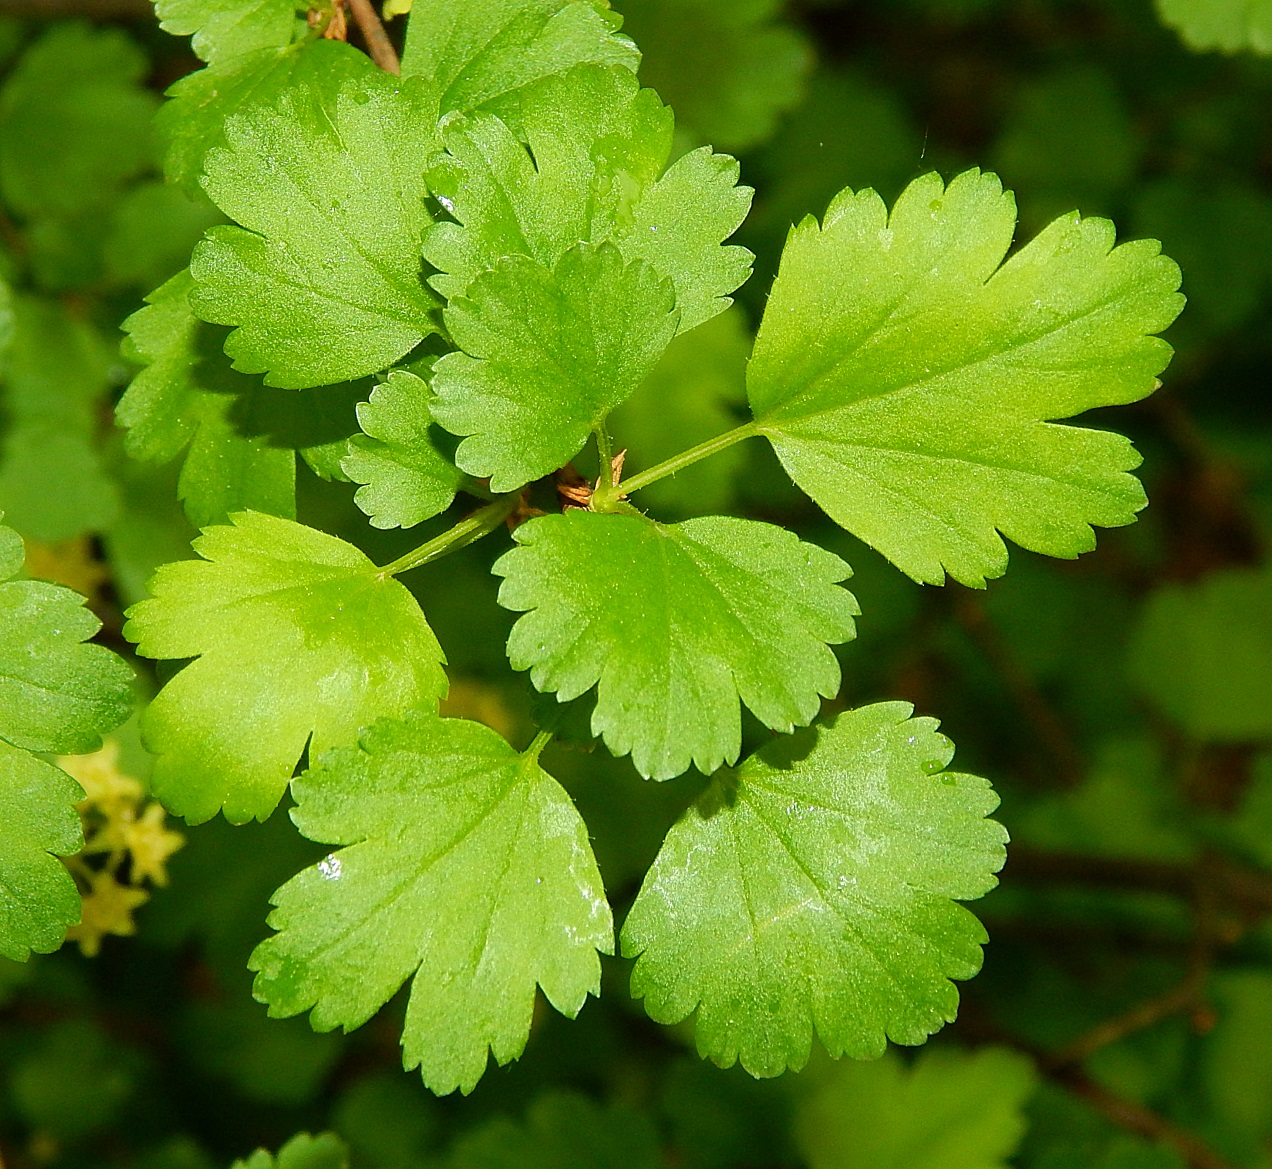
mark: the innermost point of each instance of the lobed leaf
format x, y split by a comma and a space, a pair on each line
465, 868
592, 168
56, 693
482, 54
909, 383
547, 354
299, 641
950, 1110
38, 897
221, 30
405, 478
814, 889
187, 396
199, 105
674, 624
322, 279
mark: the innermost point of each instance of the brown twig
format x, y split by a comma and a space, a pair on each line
1126, 1114
1143, 1121
1048, 726
378, 44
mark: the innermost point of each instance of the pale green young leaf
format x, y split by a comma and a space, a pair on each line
814, 889
561, 1131
325, 1151
910, 384
482, 53
466, 868
186, 396
74, 120
56, 693
674, 624
728, 68
223, 29
592, 168
299, 640
547, 354
193, 120
38, 898
1203, 654
950, 1110
689, 397
1227, 25
322, 279
405, 478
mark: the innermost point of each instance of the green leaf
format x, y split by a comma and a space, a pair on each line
814, 888
674, 624
688, 398
194, 118
323, 278
728, 69
482, 53
466, 866
56, 693
950, 1110
593, 168
189, 396
325, 1151
53, 485
908, 383
74, 121
547, 354
297, 634
1228, 25
561, 1131
223, 29
1203, 653
406, 479
38, 898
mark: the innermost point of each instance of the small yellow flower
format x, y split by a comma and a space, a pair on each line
108, 909
151, 843
105, 786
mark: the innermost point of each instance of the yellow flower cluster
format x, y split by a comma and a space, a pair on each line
126, 845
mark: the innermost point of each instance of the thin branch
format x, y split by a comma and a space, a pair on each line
1143, 1121
378, 44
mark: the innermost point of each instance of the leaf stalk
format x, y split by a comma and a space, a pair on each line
608, 495
481, 523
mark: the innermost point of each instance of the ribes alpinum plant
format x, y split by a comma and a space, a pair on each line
448, 285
